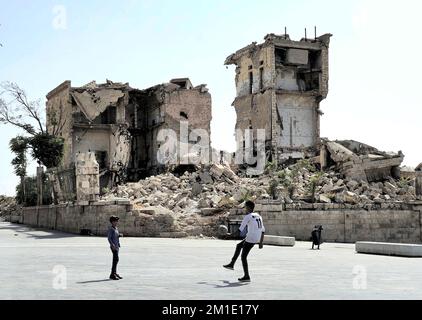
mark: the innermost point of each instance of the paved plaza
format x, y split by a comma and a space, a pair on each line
45, 264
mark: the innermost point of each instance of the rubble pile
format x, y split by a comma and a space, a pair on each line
192, 199
218, 187
209, 190
194, 202
8, 206
332, 187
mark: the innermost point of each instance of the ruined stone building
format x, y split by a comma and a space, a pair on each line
120, 124
280, 84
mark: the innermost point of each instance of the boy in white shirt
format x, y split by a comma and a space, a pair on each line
255, 234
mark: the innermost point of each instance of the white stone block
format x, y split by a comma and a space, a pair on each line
389, 249
279, 241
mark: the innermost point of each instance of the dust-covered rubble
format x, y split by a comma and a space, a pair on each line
197, 201
8, 206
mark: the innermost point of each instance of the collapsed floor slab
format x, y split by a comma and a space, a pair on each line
359, 161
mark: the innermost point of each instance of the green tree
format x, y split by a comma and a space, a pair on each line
31, 196
272, 190
286, 181
17, 110
289, 177
315, 181
46, 147
19, 146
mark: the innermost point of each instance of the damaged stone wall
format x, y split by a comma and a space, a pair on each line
294, 77
254, 79
95, 120
254, 111
398, 224
58, 106
197, 203
194, 108
120, 124
106, 133
298, 118
165, 107
134, 222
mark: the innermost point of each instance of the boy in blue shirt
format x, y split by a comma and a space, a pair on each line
113, 238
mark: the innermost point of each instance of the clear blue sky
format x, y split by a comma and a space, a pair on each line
375, 57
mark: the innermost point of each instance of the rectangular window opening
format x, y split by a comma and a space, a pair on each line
261, 78
250, 82
280, 56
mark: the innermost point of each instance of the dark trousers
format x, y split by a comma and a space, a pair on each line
245, 248
115, 261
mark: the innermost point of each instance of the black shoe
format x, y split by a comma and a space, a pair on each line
114, 277
245, 279
118, 276
229, 266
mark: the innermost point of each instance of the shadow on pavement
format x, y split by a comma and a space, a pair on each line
28, 231
15, 227
94, 281
226, 284
50, 235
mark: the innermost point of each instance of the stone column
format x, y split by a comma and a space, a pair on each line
418, 183
40, 171
87, 178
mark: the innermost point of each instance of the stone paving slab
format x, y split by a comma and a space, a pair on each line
32, 267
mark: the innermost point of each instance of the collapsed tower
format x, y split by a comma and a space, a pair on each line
279, 86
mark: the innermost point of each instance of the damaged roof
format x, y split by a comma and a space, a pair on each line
173, 85
93, 99
281, 41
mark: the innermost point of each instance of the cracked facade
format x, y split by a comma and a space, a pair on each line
280, 84
119, 125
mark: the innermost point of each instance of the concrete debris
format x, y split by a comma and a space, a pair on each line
359, 161
8, 206
211, 192
324, 198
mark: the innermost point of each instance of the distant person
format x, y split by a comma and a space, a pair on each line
316, 236
255, 234
113, 238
